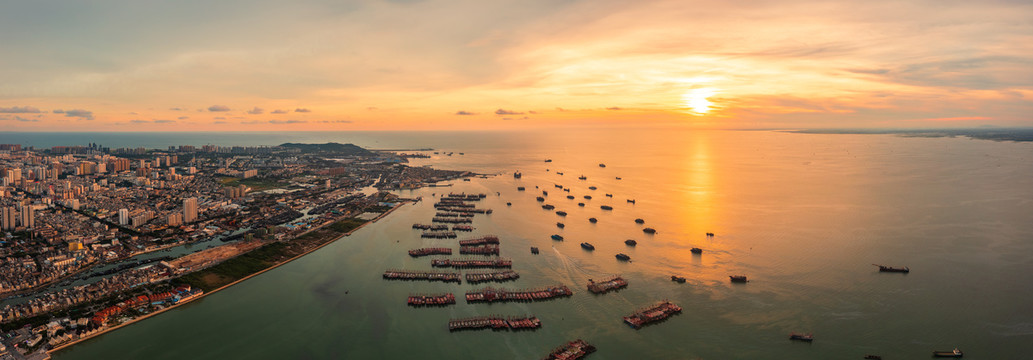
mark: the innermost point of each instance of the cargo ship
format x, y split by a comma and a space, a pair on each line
652, 314
572, 350
602, 287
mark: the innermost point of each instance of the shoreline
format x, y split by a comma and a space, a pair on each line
133, 321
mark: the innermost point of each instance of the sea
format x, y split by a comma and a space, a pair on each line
804, 216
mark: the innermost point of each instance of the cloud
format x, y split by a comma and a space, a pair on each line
464, 112
278, 111
19, 118
247, 122
519, 118
133, 113
507, 112
532, 112
79, 113
614, 108
255, 111
176, 109
219, 122
164, 121
287, 121
220, 118
19, 110
58, 111
138, 121
302, 110
371, 108
335, 121
561, 109
215, 108
183, 117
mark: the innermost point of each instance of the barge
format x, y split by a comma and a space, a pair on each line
422, 275
652, 314
430, 251
572, 350
490, 295
611, 284
462, 264
432, 300
495, 323
498, 276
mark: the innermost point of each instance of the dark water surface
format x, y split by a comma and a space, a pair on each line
803, 215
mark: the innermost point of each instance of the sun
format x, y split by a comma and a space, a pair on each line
696, 100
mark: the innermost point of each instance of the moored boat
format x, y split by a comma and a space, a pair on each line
517, 175
696, 250
631, 201
581, 204
548, 207
592, 188
801, 337
560, 225
540, 199
520, 188
649, 230
572, 350
678, 279
534, 250
582, 177
902, 269
630, 242
640, 221
509, 204
561, 213
606, 207
952, 354
609, 195
548, 160
873, 357
571, 197
587, 246
623, 257
738, 278
557, 237
602, 165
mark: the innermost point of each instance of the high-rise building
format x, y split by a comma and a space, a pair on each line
190, 209
28, 217
7, 216
123, 217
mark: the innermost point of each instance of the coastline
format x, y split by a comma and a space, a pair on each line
133, 321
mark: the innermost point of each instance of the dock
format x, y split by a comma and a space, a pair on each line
501, 295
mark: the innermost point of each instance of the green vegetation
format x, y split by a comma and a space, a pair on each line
256, 184
236, 268
331, 147
346, 225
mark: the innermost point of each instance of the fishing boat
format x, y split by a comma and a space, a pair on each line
581, 204
623, 257
559, 173
534, 250
902, 269
587, 246
573, 350
560, 225
545, 193
738, 278
609, 195
640, 221
678, 279
952, 354
557, 237
630, 242
548, 160
631, 201
593, 220
873, 357
649, 230
582, 177
618, 178
696, 250
602, 165
509, 204
540, 199
592, 188
517, 175
548, 207
710, 234
561, 213
571, 197
801, 337
558, 186
520, 188
606, 207
588, 197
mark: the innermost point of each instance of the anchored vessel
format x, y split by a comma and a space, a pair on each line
801, 337
630, 242
608, 285
678, 279
498, 276
487, 239
606, 207
501, 295
587, 246
738, 278
534, 250
430, 251
640, 221
649, 230
557, 237
572, 350
696, 250
623, 257
459, 264
652, 314
953, 354
902, 269
593, 220
495, 323
432, 300
422, 275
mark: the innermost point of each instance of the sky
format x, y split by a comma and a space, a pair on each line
260, 65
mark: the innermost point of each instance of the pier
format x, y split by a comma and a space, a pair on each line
422, 275
502, 295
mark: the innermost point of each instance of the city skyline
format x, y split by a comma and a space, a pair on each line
432, 65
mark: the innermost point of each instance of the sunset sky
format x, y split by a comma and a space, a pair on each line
392, 65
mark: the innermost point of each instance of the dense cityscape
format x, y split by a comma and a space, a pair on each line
81, 225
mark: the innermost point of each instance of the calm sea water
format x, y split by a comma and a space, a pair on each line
803, 215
